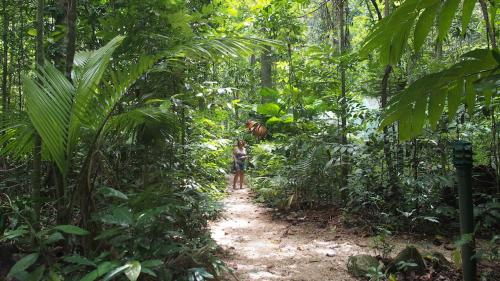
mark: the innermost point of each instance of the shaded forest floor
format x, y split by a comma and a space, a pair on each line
259, 245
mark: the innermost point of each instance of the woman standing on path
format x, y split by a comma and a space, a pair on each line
239, 156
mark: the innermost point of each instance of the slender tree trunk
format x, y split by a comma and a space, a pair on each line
495, 149
369, 10
375, 5
21, 52
71, 36
489, 27
290, 65
237, 97
37, 150
68, 8
94, 44
343, 11
183, 130
384, 97
59, 16
415, 159
442, 142
266, 67
387, 8
491, 34
5, 71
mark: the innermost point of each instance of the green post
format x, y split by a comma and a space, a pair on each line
462, 159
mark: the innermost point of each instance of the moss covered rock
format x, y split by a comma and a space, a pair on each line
437, 260
407, 260
359, 266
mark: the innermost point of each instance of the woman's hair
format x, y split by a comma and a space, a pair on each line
238, 141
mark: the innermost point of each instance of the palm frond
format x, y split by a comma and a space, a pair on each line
113, 91
57, 108
90, 72
160, 117
49, 102
16, 136
212, 48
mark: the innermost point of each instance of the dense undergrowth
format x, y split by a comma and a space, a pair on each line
149, 216
303, 171
118, 119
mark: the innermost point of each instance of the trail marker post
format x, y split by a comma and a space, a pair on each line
462, 159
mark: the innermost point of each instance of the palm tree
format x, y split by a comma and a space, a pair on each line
68, 114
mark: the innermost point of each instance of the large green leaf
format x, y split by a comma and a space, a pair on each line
133, 271
111, 192
467, 9
37, 274
57, 108
71, 229
115, 272
454, 97
49, 103
418, 116
102, 269
446, 16
162, 118
85, 111
423, 26
121, 216
16, 136
470, 95
269, 93
436, 106
111, 93
23, 264
216, 47
270, 109
391, 33
399, 42
77, 259
409, 107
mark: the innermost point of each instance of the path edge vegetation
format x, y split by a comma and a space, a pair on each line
128, 111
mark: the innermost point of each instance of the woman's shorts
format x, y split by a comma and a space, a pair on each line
239, 166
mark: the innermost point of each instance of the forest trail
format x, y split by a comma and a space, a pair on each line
260, 248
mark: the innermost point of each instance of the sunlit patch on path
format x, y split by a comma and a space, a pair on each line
259, 248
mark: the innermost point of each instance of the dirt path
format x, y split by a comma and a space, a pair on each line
259, 248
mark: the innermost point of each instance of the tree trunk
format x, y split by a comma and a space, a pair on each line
5, 71
69, 11
375, 5
71, 36
490, 33
58, 16
415, 159
266, 79
343, 11
384, 97
495, 149
37, 149
21, 53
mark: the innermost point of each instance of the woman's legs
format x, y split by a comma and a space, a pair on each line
235, 178
242, 177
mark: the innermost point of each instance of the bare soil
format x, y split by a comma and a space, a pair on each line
259, 246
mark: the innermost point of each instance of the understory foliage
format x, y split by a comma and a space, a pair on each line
116, 143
